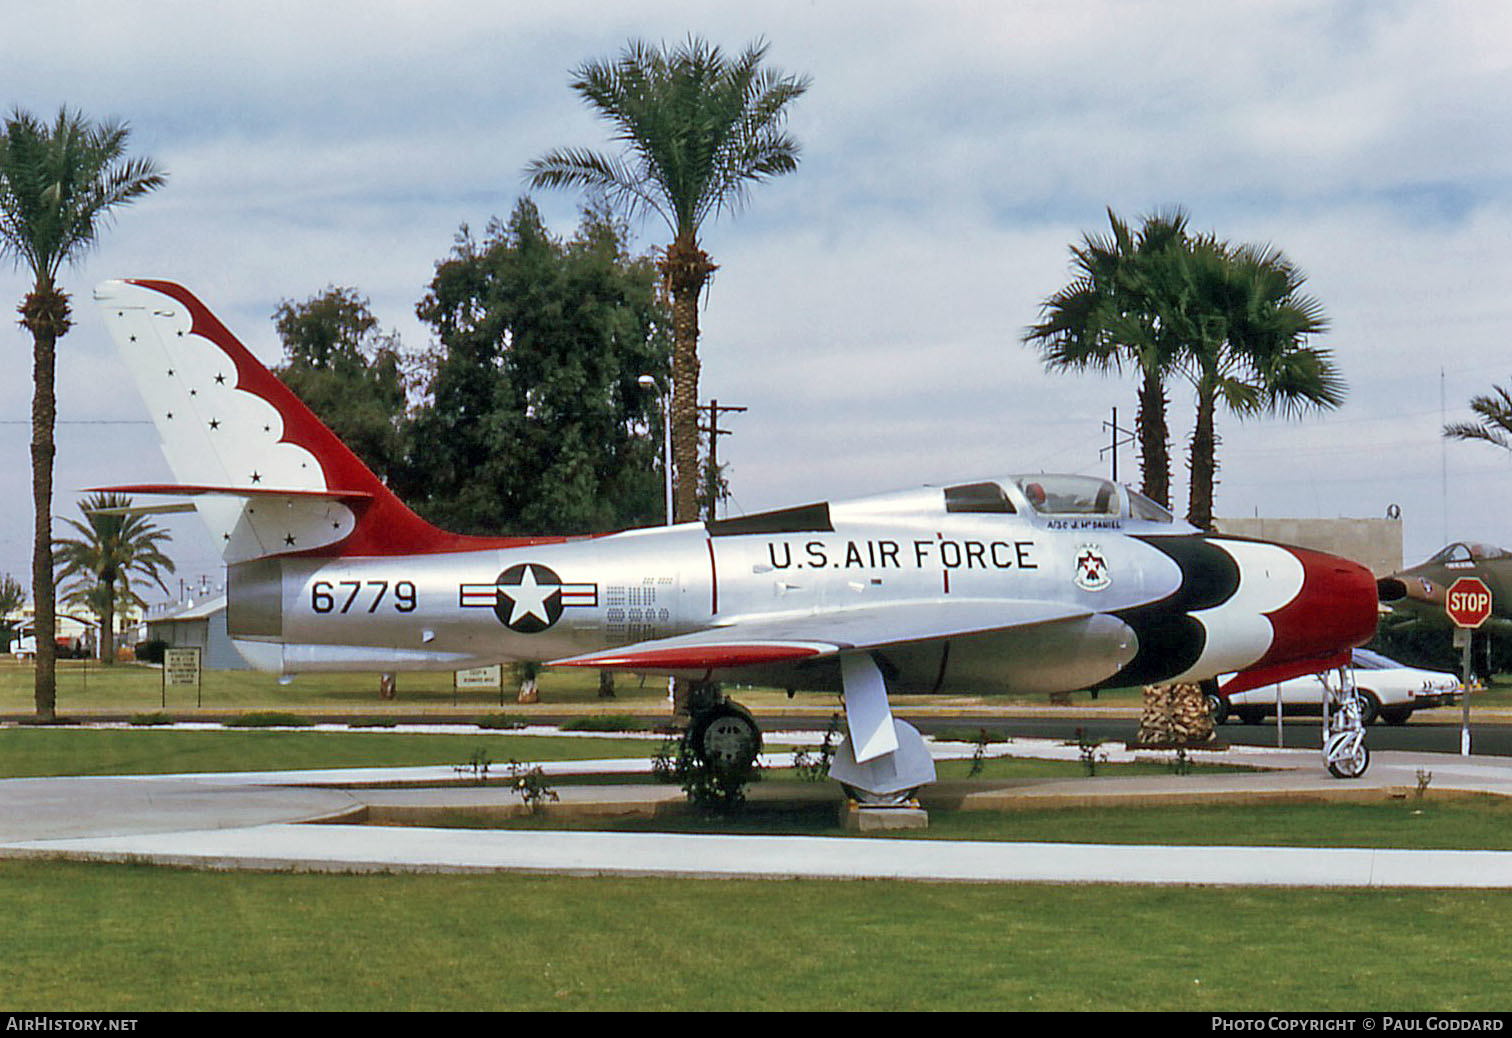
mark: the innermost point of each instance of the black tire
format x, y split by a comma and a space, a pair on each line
1370, 705
1352, 768
727, 738
1251, 715
1217, 707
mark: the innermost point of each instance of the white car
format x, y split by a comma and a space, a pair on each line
1388, 690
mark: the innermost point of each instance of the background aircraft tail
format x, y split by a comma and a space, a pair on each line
266, 476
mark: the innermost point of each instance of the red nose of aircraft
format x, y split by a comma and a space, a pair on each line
1335, 611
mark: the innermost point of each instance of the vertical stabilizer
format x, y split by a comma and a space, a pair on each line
265, 475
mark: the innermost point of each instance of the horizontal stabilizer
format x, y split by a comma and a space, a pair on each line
258, 521
196, 490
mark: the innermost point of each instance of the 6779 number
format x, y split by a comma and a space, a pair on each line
341, 596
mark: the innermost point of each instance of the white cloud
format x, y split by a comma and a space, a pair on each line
868, 308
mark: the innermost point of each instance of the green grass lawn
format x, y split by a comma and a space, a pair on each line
1470, 823
85, 687
132, 938
51, 751
128, 938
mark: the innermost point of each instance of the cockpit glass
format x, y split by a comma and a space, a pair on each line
977, 497
1141, 507
1070, 495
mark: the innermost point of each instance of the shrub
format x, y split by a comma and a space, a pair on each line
499, 721
151, 651
608, 723
268, 719
144, 720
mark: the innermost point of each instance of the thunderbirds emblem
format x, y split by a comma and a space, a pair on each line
1091, 568
528, 597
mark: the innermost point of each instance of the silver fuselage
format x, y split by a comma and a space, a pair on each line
453, 610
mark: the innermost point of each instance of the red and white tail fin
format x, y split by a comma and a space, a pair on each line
265, 475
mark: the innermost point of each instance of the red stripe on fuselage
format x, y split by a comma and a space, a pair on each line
695, 657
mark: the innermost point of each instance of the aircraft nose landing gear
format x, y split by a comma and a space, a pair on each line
1344, 749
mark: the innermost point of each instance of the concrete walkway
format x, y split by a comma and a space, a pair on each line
297, 821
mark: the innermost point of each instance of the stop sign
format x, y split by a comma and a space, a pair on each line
1468, 602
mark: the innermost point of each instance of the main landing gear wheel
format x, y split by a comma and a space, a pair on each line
727, 738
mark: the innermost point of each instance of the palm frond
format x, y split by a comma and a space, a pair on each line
1495, 427
59, 186
697, 128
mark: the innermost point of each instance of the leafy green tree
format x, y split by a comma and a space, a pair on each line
114, 550
348, 371
12, 595
1108, 318
535, 419
12, 598
698, 129
58, 187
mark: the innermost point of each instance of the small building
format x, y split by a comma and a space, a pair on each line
201, 625
1375, 544
76, 635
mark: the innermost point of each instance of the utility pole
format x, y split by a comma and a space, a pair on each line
715, 432
1114, 442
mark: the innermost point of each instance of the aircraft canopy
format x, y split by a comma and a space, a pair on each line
1465, 551
1055, 494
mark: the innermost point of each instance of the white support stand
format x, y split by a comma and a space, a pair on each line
882, 762
888, 781
867, 714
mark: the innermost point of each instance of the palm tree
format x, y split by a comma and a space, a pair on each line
1495, 427
1109, 317
116, 546
58, 187
1244, 324
698, 128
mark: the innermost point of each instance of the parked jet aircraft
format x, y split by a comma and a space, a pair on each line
1022, 584
1415, 596
1417, 593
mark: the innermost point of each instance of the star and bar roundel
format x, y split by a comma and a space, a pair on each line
528, 597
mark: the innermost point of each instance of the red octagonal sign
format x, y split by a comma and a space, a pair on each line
1468, 602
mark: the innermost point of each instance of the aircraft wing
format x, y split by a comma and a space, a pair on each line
792, 637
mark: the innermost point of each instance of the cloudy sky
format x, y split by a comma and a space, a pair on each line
868, 309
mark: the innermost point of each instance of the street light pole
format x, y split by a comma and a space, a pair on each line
666, 401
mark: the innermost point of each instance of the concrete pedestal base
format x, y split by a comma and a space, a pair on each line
858, 818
